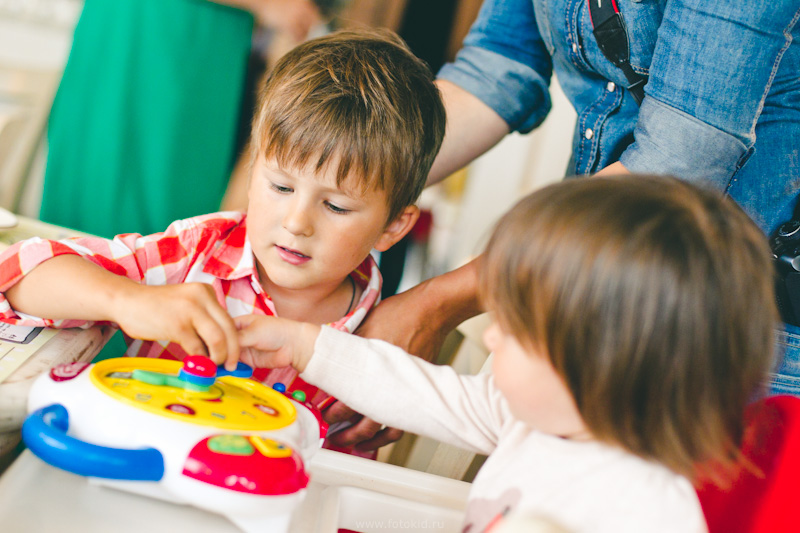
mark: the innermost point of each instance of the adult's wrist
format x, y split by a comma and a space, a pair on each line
453, 296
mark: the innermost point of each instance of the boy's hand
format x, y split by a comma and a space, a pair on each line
274, 342
186, 313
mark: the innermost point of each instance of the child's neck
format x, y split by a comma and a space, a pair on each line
316, 305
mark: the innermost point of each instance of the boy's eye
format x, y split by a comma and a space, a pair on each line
336, 209
280, 188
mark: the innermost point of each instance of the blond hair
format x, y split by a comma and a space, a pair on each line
654, 301
357, 99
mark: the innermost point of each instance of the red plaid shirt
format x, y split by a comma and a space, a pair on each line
211, 249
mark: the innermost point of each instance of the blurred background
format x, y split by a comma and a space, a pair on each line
35, 40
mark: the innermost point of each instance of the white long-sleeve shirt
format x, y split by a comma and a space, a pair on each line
583, 486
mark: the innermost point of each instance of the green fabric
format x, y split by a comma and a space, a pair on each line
115, 347
143, 127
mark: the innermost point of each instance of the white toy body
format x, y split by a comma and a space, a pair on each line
234, 447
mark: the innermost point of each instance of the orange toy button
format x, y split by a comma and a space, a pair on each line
271, 448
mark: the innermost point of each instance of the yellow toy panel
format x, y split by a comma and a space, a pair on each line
229, 403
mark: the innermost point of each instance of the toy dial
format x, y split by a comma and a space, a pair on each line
229, 403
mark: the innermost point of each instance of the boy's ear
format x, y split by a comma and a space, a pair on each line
397, 228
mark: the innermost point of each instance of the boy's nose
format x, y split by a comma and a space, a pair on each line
297, 220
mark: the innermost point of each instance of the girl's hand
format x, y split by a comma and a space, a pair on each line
274, 342
186, 313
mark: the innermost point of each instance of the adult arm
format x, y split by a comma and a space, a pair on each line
472, 129
614, 169
419, 319
498, 83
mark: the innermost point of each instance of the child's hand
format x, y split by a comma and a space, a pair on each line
187, 313
276, 342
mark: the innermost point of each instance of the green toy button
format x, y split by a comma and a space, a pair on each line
299, 395
152, 378
231, 445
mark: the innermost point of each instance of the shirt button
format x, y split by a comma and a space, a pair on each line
588, 133
574, 48
610, 87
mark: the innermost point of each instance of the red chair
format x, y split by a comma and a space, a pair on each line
767, 502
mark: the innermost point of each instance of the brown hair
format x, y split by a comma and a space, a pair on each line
654, 301
358, 99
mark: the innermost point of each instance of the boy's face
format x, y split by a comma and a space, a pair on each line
307, 232
536, 394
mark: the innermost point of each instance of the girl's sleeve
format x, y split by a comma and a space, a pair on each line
384, 383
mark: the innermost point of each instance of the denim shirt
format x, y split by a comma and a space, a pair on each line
722, 102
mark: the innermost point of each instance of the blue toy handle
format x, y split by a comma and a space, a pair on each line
45, 434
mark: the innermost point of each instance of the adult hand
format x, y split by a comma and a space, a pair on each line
406, 321
363, 433
419, 319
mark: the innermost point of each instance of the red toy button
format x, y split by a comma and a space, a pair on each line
67, 371
200, 365
180, 409
266, 409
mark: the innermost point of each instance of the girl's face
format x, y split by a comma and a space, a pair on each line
536, 394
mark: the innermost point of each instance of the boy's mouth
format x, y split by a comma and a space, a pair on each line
292, 256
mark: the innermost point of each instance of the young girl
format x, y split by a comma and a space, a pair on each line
633, 322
